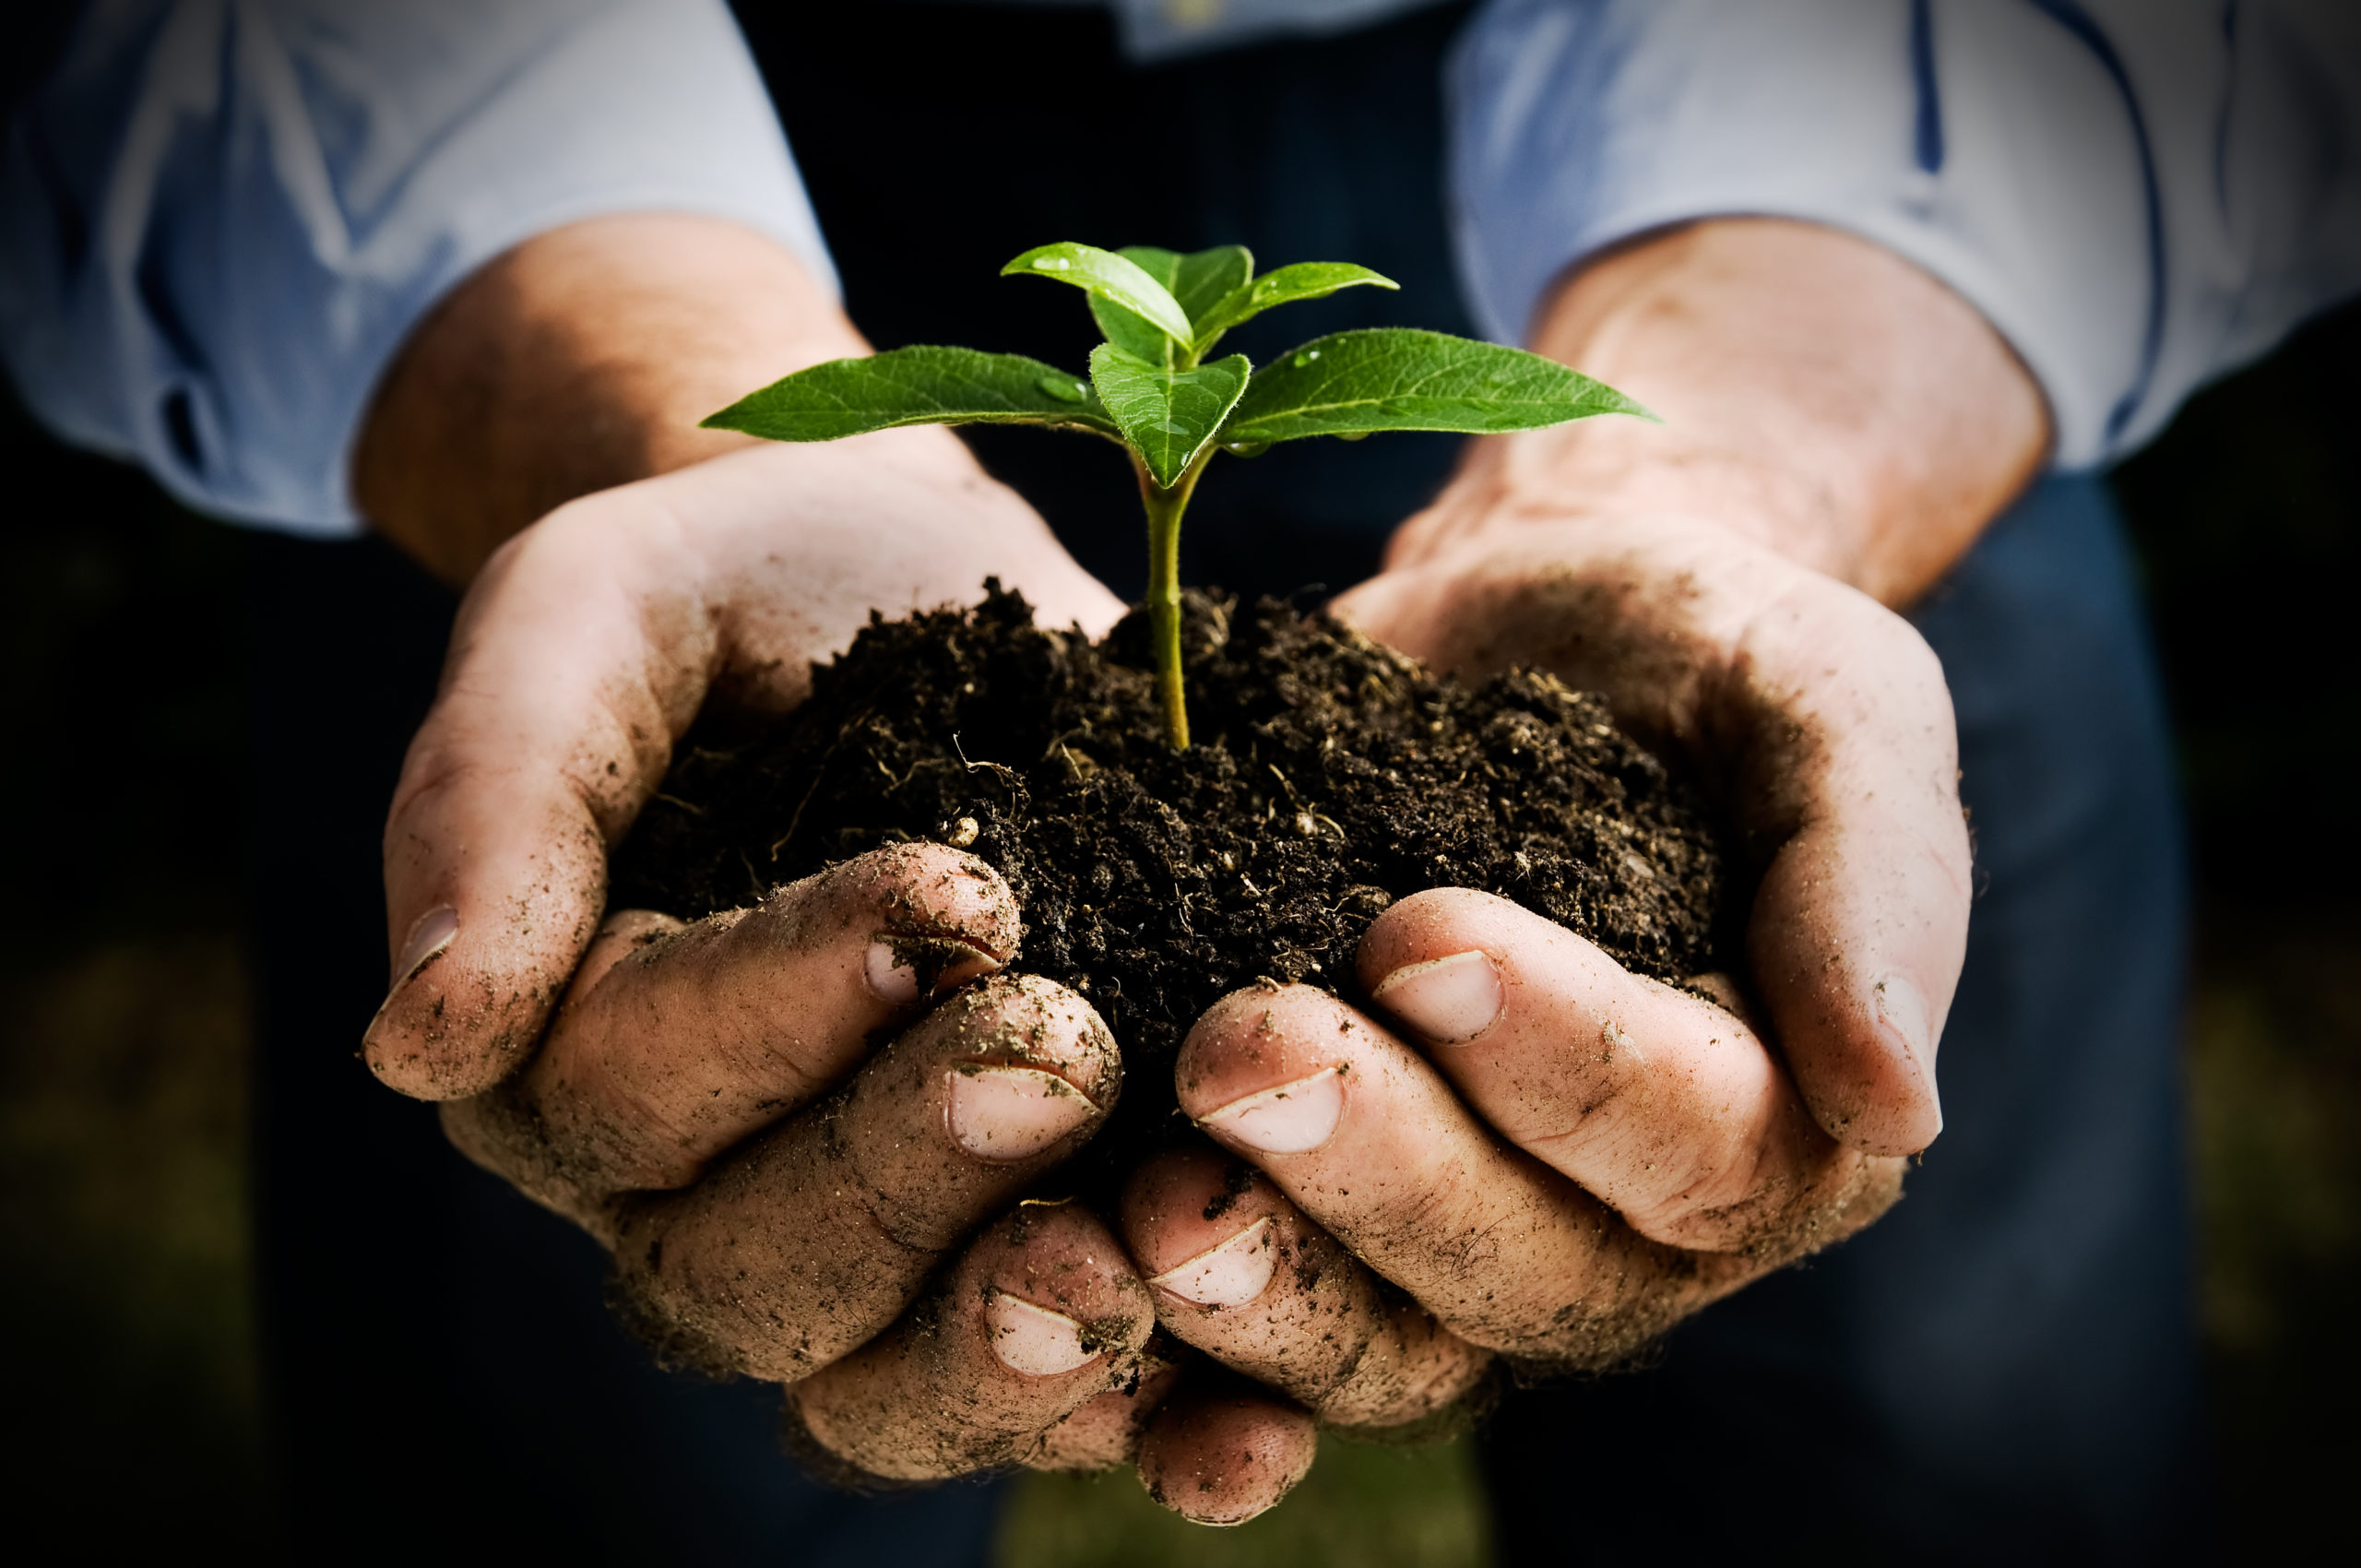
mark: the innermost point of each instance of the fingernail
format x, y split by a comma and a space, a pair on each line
429, 935
892, 981
1010, 1113
1901, 1009
1033, 1340
1291, 1119
1229, 1276
900, 970
1448, 999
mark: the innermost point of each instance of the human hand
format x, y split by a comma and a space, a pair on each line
710, 1099
1817, 722
1553, 1158
713, 1101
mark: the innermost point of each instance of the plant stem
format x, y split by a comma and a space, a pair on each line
1164, 509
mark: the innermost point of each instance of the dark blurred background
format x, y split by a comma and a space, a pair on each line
130, 1389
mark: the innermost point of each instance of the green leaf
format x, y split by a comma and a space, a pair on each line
1398, 378
1107, 276
1304, 280
916, 385
1196, 281
1167, 416
1134, 334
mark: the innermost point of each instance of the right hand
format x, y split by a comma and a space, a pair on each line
710, 1099
1522, 1147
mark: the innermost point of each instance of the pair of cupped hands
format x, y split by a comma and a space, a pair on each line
821, 1134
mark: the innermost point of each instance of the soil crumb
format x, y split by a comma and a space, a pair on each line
1330, 777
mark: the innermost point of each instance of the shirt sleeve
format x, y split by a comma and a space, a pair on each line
219, 219
2140, 194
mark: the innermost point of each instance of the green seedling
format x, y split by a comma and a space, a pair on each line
1153, 392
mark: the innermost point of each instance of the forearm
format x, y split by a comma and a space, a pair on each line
581, 358
1820, 394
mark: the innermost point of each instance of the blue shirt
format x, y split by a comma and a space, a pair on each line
219, 219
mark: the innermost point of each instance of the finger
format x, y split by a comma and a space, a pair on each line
1237, 1272
812, 1238
1848, 751
1369, 1143
560, 699
1221, 1451
1821, 723
1107, 1430
1040, 1317
677, 1042
1663, 1105
585, 648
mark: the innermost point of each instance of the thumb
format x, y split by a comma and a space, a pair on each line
1836, 723
564, 686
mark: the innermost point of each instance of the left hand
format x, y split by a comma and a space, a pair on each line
1555, 1158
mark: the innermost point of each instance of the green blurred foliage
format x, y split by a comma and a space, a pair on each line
130, 1382
1363, 1505
2276, 1110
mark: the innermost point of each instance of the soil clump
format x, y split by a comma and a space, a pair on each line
1330, 777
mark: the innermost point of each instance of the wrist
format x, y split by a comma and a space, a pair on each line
581, 358
1820, 395
1509, 482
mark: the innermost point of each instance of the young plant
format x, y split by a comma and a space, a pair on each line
1153, 392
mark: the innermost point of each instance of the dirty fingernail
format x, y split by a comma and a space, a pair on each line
892, 979
1291, 1119
1902, 1009
1448, 999
1033, 1340
429, 935
1009, 1113
899, 971
1227, 1276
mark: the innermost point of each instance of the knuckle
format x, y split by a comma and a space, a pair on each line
1453, 1240
614, 1139
714, 1290
501, 1133
440, 767
1415, 1368
897, 1222
683, 1330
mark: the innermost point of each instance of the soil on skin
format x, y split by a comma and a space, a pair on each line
1329, 777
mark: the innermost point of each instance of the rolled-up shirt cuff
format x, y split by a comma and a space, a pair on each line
1998, 154
223, 221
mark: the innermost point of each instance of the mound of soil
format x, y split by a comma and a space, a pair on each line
1330, 776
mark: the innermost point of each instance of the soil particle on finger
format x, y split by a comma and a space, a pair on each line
1331, 776
1235, 1183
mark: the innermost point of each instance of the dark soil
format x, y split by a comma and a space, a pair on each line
1330, 777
